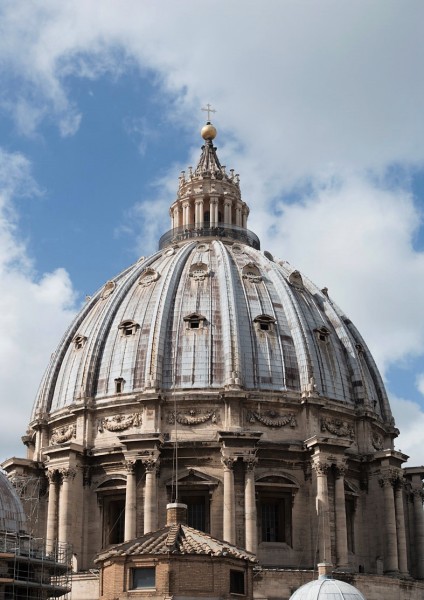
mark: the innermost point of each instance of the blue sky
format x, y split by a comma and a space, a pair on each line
319, 110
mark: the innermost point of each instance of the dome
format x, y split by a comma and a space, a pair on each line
12, 515
196, 316
326, 588
215, 374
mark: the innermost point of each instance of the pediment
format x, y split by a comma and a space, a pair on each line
193, 477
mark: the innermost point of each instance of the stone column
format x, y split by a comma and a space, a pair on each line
238, 215
150, 497
186, 208
419, 530
227, 211
214, 212
391, 564
322, 507
342, 556
65, 505
130, 501
229, 524
400, 527
51, 533
250, 507
244, 217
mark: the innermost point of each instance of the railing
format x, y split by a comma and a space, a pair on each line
222, 230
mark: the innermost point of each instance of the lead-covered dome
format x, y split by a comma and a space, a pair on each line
211, 314
12, 515
210, 311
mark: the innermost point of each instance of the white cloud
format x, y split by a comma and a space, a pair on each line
33, 310
410, 421
420, 383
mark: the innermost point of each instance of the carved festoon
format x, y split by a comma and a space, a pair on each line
194, 417
120, 422
62, 435
338, 427
272, 419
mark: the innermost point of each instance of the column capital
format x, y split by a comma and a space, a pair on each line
228, 462
250, 463
150, 464
389, 477
67, 473
52, 475
340, 469
130, 465
320, 466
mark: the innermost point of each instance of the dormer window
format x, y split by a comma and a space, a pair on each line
195, 321
264, 323
119, 385
79, 341
251, 273
322, 334
128, 328
295, 279
108, 289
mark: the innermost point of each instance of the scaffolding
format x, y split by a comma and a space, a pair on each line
29, 572
28, 488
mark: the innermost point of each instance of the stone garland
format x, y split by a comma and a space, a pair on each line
272, 419
120, 422
338, 427
62, 435
193, 418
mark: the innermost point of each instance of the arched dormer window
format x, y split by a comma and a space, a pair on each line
322, 334
148, 277
195, 321
128, 328
79, 341
108, 289
251, 273
199, 271
264, 323
295, 278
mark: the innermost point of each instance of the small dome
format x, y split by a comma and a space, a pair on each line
326, 588
12, 515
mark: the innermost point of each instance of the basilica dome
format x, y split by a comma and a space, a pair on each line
210, 311
217, 375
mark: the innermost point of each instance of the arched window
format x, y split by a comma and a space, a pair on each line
128, 327
264, 323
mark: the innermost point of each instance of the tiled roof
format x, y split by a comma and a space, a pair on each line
176, 539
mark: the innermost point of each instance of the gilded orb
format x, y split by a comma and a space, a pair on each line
208, 132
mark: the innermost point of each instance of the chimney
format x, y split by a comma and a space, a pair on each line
325, 570
176, 513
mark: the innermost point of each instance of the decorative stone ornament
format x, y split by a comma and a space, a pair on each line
338, 427
61, 435
120, 422
271, 418
108, 289
194, 417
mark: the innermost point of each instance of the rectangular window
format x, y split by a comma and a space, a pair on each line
143, 578
236, 582
115, 519
197, 511
275, 518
